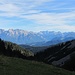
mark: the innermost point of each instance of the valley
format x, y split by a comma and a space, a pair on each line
55, 59
37, 37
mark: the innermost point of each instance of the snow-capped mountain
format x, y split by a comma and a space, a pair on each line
20, 36
24, 37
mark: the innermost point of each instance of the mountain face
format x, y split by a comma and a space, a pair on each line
13, 50
19, 36
62, 55
43, 38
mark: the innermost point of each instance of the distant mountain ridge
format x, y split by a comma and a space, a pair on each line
42, 38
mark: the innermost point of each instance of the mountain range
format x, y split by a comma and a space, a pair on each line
42, 38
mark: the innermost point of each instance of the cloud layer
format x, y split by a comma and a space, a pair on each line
44, 14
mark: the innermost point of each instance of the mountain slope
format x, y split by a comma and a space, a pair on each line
10, 65
17, 66
59, 55
34, 49
12, 49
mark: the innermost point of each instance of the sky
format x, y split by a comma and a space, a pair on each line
38, 15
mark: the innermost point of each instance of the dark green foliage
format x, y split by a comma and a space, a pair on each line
49, 52
57, 52
13, 50
17, 66
2, 47
70, 64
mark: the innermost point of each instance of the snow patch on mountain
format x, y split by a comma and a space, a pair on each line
27, 37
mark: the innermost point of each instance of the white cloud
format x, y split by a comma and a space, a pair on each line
19, 7
9, 8
63, 28
26, 9
51, 18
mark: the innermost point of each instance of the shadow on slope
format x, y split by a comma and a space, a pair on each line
13, 50
61, 55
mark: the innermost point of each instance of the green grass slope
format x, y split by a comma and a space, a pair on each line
18, 66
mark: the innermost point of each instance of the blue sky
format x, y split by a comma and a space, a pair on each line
38, 15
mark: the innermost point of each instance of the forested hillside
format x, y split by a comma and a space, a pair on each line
13, 50
61, 55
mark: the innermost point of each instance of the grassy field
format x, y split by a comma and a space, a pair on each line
18, 66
